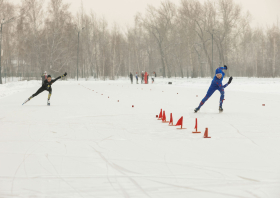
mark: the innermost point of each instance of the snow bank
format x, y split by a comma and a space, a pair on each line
15, 87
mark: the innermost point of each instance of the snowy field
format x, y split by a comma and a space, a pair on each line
88, 145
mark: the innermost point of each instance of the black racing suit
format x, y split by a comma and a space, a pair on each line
47, 86
131, 78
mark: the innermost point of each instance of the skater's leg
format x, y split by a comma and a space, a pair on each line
210, 91
40, 90
222, 91
50, 94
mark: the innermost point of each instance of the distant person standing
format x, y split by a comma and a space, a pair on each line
148, 78
136, 76
153, 77
44, 77
142, 77
131, 78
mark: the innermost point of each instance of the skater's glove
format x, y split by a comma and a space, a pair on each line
64, 74
225, 67
230, 79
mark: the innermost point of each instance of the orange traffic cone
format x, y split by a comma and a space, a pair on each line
164, 118
160, 115
206, 133
171, 120
180, 122
196, 127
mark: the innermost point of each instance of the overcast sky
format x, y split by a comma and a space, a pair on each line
123, 11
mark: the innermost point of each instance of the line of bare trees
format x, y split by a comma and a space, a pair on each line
187, 40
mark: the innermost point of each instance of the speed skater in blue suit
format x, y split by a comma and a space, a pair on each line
216, 85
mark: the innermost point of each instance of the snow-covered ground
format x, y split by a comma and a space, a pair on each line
90, 145
15, 87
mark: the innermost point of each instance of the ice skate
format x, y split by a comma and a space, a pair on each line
196, 109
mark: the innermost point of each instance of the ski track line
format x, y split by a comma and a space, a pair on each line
59, 176
107, 169
40, 144
62, 161
108, 178
253, 141
225, 120
244, 135
240, 134
192, 165
169, 168
88, 138
248, 139
88, 116
125, 194
195, 166
117, 168
107, 175
24, 158
264, 192
196, 189
252, 194
25, 153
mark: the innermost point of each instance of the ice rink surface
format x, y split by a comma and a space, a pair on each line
88, 145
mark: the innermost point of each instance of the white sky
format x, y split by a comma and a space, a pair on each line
264, 12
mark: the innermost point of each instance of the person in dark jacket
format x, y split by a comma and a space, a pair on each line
153, 77
131, 78
216, 85
142, 77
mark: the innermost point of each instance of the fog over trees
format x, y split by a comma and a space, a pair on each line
190, 40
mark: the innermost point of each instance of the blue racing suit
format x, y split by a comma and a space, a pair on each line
216, 85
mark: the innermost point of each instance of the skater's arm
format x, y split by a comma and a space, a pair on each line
223, 68
229, 81
59, 77
224, 86
56, 79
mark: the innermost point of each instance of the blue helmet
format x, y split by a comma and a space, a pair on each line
219, 71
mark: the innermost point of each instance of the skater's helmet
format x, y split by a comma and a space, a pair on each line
219, 71
49, 76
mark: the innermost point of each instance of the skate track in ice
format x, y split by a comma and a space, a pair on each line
88, 145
